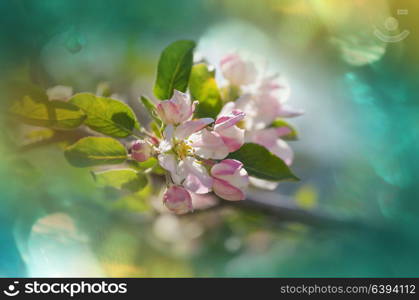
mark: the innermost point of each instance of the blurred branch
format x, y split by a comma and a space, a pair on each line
281, 208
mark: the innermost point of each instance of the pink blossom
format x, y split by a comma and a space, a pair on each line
225, 126
238, 71
230, 180
208, 145
177, 109
188, 172
184, 130
141, 150
271, 96
178, 200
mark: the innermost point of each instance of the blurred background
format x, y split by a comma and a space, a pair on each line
353, 66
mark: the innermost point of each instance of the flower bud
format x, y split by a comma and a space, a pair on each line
232, 136
177, 109
237, 71
140, 150
230, 180
177, 199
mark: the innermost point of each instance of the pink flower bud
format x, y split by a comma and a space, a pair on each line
177, 109
140, 150
178, 200
230, 180
238, 71
232, 136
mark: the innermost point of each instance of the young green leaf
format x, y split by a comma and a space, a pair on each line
292, 135
105, 115
203, 88
151, 108
94, 151
174, 69
123, 179
141, 166
261, 163
53, 114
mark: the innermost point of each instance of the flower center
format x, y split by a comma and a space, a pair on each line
182, 149
241, 124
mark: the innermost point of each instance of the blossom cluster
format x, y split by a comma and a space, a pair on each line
194, 151
263, 101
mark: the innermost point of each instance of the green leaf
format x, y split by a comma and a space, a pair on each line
261, 163
123, 179
149, 163
174, 69
156, 129
94, 151
16, 90
105, 115
53, 114
292, 136
138, 202
203, 88
151, 108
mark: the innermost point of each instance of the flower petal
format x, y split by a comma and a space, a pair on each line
186, 129
208, 144
226, 121
233, 137
287, 111
238, 71
226, 191
231, 171
175, 110
269, 138
197, 179
226, 167
283, 151
166, 143
169, 162
178, 200
263, 184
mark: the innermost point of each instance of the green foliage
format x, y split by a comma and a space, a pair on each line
261, 163
94, 151
174, 69
230, 93
142, 166
105, 115
292, 136
123, 179
151, 108
137, 202
16, 90
53, 114
203, 88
